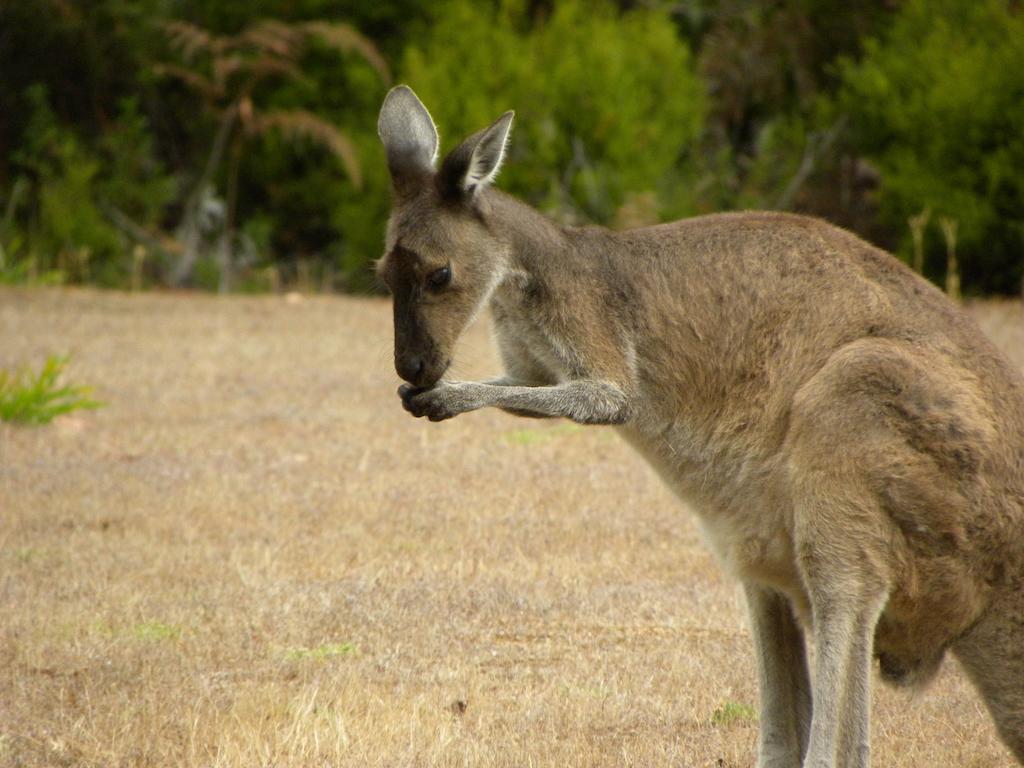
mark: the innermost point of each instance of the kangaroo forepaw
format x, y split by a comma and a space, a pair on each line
437, 403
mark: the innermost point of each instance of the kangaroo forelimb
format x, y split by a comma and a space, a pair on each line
585, 401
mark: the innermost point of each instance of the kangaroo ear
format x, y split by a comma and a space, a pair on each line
474, 164
409, 136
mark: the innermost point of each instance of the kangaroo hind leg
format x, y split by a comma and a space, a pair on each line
784, 681
992, 653
843, 543
847, 584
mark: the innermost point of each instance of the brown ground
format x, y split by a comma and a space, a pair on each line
253, 557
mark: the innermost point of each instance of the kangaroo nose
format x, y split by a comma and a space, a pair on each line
410, 368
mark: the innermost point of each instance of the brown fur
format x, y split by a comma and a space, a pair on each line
852, 444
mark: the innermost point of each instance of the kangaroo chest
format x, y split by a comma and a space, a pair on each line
739, 500
737, 496
528, 349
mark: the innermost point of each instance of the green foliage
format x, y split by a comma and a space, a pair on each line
66, 228
733, 712
534, 436
938, 103
321, 652
608, 103
252, 85
155, 630
65, 232
133, 179
29, 398
762, 175
627, 113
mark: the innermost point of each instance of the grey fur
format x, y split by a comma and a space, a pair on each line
852, 444
409, 136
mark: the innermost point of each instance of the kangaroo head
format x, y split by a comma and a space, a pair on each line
442, 260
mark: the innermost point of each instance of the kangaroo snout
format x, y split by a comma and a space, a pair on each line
410, 368
420, 370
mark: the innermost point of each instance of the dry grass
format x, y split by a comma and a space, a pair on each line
253, 557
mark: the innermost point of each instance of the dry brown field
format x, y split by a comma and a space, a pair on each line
253, 557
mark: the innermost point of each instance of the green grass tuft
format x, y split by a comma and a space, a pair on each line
155, 630
320, 652
532, 436
30, 398
733, 712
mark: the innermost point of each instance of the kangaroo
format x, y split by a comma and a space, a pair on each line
853, 446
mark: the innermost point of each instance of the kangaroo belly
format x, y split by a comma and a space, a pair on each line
737, 501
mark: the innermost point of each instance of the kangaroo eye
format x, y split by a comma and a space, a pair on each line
439, 278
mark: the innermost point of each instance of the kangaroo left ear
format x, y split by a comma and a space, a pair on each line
409, 136
475, 163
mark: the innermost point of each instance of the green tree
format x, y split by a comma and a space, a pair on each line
771, 138
608, 103
226, 71
67, 231
938, 103
69, 190
74, 136
294, 206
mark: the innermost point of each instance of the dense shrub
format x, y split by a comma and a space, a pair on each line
627, 113
938, 103
65, 224
608, 105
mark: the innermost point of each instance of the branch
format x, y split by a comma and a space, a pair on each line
190, 39
136, 232
346, 38
272, 36
817, 145
195, 80
299, 123
188, 230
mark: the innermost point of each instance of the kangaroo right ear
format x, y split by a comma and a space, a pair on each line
409, 136
474, 164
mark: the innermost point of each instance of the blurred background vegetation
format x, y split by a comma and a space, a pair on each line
230, 144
